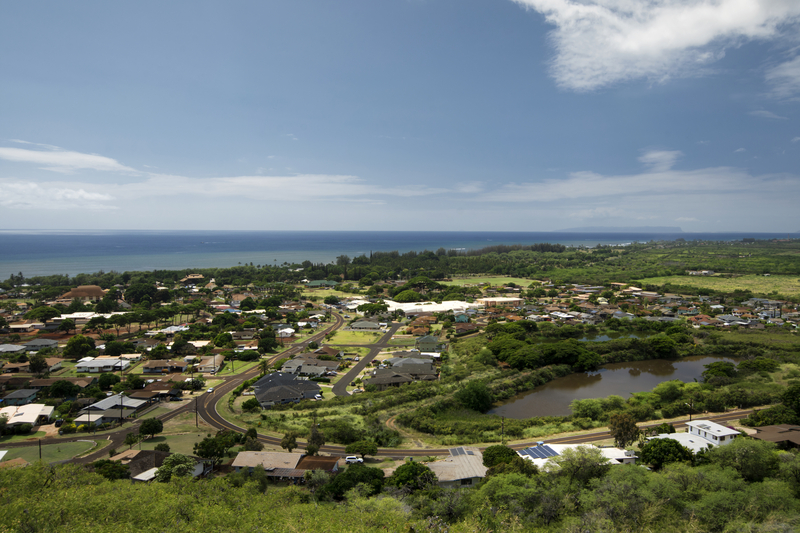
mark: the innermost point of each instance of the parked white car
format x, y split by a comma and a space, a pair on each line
351, 459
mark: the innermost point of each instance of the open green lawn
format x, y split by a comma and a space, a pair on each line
355, 337
22, 438
238, 368
496, 280
784, 285
183, 443
52, 452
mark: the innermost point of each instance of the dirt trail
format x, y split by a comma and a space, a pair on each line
390, 423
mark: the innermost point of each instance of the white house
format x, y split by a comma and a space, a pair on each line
701, 434
542, 453
101, 364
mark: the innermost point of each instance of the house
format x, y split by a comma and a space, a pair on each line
785, 435
85, 293
110, 409
327, 350
40, 384
11, 348
20, 397
32, 413
95, 365
37, 344
365, 325
53, 363
244, 335
541, 453
285, 333
211, 364
17, 368
427, 343
280, 388
143, 464
284, 465
163, 366
701, 434
463, 468
383, 378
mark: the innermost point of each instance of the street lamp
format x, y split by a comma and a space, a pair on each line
691, 407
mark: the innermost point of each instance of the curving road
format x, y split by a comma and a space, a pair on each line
205, 404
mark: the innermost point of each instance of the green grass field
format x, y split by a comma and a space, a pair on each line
238, 368
22, 438
496, 280
51, 452
784, 285
354, 337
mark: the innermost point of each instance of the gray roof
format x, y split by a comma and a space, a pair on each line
11, 348
36, 343
114, 402
21, 394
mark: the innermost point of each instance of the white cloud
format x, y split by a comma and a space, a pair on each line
291, 136
660, 160
739, 150
64, 161
653, 187
304, 187
600, 42
785, 79
27, 195
469, 187
796, 139
766, 114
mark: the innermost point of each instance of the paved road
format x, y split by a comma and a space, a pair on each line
340, 387
205, 405
201, 402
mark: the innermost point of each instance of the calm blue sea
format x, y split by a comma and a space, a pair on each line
38, 252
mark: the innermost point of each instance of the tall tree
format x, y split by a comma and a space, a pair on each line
151, 426
289, 441
623, 428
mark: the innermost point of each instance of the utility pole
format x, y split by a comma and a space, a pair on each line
196, 422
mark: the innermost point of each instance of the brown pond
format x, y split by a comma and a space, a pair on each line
553, 398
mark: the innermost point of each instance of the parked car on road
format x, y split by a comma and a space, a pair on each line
351, 459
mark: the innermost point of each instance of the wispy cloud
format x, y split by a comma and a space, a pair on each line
64, 161
739, 150
653, 187
27, 195
291, 136
767, 114
600, 42
785, 79
660, 160
796, 139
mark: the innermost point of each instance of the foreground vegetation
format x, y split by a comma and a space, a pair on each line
745, 486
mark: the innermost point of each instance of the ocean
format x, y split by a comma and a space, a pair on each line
45, 252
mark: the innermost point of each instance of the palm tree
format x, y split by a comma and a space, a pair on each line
263, 365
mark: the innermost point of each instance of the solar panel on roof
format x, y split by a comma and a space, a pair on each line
539, 452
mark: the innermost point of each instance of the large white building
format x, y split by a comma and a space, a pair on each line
701, 434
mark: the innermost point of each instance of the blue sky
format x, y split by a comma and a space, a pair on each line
530, 115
